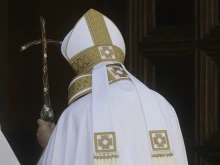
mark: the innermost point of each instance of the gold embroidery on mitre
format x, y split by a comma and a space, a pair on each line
82, 84
107, 52
85, 60
97, 27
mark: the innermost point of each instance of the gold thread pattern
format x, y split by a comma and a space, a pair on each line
106, 52
119, 54
117, 72
105, 142
97, 28
85, 60
159, 140
82, 84
106, 156
162, 155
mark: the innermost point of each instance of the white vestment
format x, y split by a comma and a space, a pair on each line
72, 140
112, 118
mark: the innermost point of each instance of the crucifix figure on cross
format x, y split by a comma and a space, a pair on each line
46, 112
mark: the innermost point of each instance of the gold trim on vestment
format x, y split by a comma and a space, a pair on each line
162, 155
159, 140
82, 84
100, 146
106, 157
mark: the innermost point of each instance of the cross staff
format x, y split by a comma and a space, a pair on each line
46, 112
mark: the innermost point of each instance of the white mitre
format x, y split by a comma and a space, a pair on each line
94, 39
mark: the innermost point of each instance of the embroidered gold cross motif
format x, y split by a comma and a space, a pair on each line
119, 72
159, 140
105, 142
107, 52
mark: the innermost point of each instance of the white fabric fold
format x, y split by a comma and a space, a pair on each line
72, 141
154, 118
101, 100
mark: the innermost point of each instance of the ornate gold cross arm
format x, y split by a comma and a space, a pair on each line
38, 42
46, 112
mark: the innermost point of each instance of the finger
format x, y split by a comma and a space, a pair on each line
44, 128
41, 122
53, 126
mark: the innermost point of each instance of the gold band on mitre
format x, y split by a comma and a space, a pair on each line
84, 61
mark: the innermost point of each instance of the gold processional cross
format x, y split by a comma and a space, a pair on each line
46, 112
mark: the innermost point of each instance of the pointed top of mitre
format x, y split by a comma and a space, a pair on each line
95, 37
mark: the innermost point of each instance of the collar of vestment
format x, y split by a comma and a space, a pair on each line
82, 84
